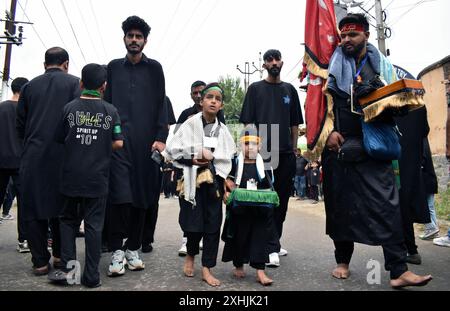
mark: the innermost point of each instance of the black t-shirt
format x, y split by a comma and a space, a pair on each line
268, 104
10, 144
87, 129
300, 164
170, 115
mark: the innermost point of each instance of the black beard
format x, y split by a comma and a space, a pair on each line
357, 50
274, 71
134, 52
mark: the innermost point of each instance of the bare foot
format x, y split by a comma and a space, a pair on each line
262, 278
188, 268
341, 272
209, 278
239, 272
410, 279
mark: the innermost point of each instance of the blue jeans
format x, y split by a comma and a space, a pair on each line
433, 224
9, 197
300, 186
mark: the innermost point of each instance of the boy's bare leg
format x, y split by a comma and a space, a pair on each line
239, 272
262, 278
188, 268
209, 278
341, 272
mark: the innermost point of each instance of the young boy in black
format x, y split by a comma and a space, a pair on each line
247, 227
90, 130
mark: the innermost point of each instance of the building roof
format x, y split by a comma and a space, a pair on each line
434, 66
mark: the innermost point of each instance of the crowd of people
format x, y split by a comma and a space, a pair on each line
94, 150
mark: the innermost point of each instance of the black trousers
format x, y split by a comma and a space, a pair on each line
394, 256
249, 243
408, 226
37, 233
5, 176
283, 185
210, 246
151, 216
125, 221
92, 210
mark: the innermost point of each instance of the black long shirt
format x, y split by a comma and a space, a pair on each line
138, 93
40, 106
10, 144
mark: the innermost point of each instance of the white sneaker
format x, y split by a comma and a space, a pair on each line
283, 252
133, 262
442, 241
183, 249
429, 234
23, 247
8, 217
117, 265
274, 260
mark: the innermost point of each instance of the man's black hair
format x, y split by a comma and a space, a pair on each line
135, 22
56, 56
355, 18
272, 54
210, 85
17, 84
93, 76
197, 84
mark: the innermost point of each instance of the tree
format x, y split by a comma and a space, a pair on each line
234, 98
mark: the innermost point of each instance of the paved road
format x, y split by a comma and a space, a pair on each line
307, 266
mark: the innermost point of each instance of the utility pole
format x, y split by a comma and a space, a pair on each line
259, 69
247, 71
246, 74
9, 31
381, 37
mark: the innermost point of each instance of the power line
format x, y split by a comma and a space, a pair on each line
184, 26
73, 30
26, 4
54, 24
182, 51
32, 26
295, 66
98, 28
415, 6
170, 23
57, 31
87, 30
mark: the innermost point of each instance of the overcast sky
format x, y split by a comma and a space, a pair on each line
205, 39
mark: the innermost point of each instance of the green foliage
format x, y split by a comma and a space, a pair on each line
442, 204
234, 98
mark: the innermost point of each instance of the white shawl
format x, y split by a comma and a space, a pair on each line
240, 167
187, 143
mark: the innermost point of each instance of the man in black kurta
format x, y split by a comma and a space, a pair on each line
38, 110
361, 197
136, 87
413, 196
10, 151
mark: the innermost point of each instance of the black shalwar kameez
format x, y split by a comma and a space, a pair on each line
39, 108
138, 93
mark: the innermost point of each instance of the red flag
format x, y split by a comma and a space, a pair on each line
321, 39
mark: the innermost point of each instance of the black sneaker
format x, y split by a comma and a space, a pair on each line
414, 259
90, 285
147, 248
58, 277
